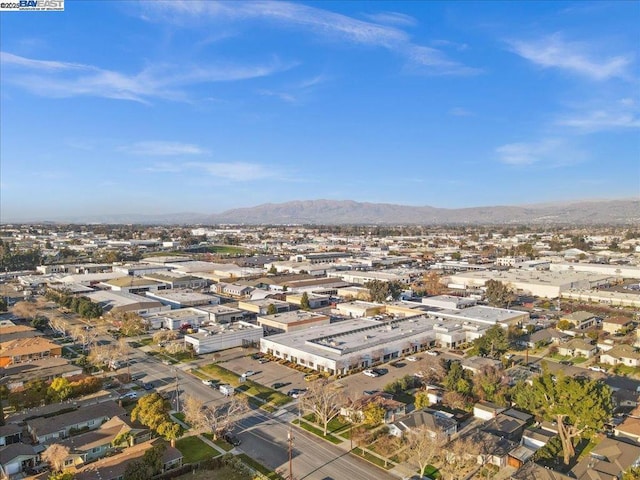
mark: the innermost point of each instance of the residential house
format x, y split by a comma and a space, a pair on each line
581, 320
475, 364
10, 433
90, 417
494, 449
113, 468
607, 460
509, 424
14, 332
487, 410
616, 325
533, 471
436, 423
392, 408
546, 336
95, 444
621, 355
15, 459
629, 428
16, 376
27, 349
535, 437
577, 347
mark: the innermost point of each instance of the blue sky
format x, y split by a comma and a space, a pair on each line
162, 107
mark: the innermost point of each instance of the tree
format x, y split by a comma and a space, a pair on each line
379, 290
60, 389
493, 343
422, 400
325, 403
55, 455
216, 419
432, 282
153, 411
460, 455
304, 302
631, 473
3, 305
579, 407
457, 380
498, 294
271, 309
565, 325
373, 413
423, 446
130, 324
434, 369
25, 309
66, 475
488, 384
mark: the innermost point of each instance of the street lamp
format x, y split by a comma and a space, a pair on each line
290, 440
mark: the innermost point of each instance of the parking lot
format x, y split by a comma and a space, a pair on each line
239, 360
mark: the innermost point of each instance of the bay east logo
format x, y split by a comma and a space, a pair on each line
32, 6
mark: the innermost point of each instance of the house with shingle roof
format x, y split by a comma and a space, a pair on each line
27, 349
435, 421
393, 409
577, 347
91, 417
621, 355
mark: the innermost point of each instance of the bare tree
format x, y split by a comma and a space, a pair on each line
433, 369
25, 309
165, 336
59, 324
215, 419
325, 403
55, 455
423, 446
458, 458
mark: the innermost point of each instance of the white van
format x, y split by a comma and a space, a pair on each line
226, 390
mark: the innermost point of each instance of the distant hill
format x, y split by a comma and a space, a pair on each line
341, 212
617, 212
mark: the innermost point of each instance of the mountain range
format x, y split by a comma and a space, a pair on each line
341, 212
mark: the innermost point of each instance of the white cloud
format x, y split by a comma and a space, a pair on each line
551, 152
621, 115
392, 18
162, 149
321, 22
62, 79
235, 171
554, 52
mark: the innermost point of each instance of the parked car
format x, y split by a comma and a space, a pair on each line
278, 385
248, 373
296, 392
595, 368
263, 360
129, 396
379, 371
412, 359
210, 383
433, 353
226, 390
232, 439
148, 386
311, 377
370, 373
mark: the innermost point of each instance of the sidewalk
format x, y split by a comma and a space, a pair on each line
216, 447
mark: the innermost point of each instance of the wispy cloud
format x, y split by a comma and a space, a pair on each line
554, 51
236, 171
297, 92
318, 21
622, 115
159, 149
551, 152
50, 78
392, 18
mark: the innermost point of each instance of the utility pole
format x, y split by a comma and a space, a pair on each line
177, 394
290, 440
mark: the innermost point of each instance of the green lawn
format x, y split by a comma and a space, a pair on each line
259, 467
227, 447
317, 431
372, 458
432, 472
180, 416
195, 450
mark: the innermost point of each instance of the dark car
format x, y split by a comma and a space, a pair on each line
232, 439
278, 385
148, 386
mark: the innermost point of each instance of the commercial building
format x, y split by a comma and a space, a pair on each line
177, 280
176, 319
341, 347
262, 306
182, 299
483, 315
614, 298
221, 314
449, 302
291, 321
221, 337
117, 302
539, 283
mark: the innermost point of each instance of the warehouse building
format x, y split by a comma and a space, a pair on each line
221, 337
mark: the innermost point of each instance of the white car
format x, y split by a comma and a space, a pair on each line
208, 382
412, 359
248, 373
129, 395
597, 369
370, 373
433, 353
